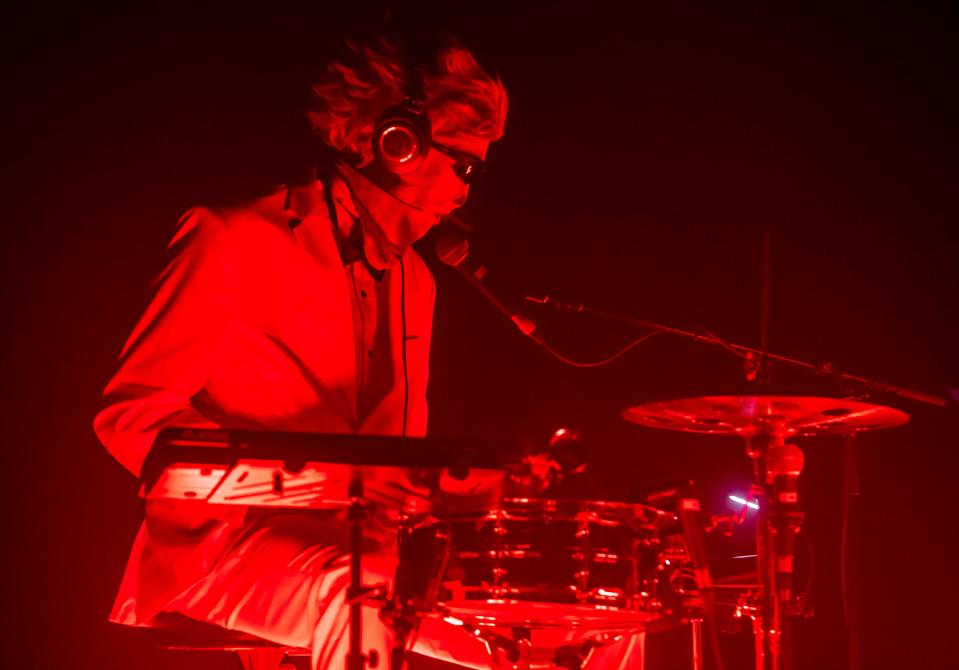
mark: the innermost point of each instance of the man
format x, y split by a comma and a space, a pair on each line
305, 310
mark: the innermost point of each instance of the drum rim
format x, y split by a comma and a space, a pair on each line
566, 509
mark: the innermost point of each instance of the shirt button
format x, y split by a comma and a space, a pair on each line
362, 293
369, 354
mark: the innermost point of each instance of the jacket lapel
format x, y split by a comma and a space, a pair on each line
310, 226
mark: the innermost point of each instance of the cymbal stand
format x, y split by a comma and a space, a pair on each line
821, 368
776, 469
696, 628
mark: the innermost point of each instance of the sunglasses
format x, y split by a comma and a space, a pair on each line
467, 167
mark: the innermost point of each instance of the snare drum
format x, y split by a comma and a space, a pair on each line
538, 563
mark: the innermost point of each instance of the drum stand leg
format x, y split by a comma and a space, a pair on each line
759, 642
696, 626
357, 593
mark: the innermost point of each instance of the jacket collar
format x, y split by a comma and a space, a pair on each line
310, 199
304, 200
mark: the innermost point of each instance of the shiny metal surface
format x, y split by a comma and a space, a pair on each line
780, 414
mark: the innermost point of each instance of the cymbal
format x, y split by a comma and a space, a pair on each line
781, 414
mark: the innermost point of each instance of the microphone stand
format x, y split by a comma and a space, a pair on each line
776, 467
776, 464
750, 354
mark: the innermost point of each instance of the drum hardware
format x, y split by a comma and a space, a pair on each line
404, 615
357, 593
512, 651
777, 465
513, 596
765, 422
589, 571
574, 657
549, 470
405, 610
542, 582
689, 575
751, 355
696, 629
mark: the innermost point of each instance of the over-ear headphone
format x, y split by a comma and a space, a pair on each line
402, 133
401, 137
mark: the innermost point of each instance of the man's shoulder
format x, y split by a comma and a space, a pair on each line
269, 208
257, 216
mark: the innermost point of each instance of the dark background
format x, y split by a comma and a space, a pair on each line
645, 155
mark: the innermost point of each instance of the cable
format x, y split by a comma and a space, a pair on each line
703, 334
723, 343
592, 364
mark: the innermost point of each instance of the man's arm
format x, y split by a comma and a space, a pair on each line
175, 344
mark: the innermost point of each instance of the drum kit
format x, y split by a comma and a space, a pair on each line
547, 581
542, 581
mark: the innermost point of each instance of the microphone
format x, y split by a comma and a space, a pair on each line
784, 464
454, 250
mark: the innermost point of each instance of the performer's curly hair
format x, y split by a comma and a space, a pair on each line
461, 98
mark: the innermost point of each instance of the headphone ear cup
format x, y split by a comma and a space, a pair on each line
401, 138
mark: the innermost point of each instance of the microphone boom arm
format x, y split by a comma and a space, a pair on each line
747, 352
